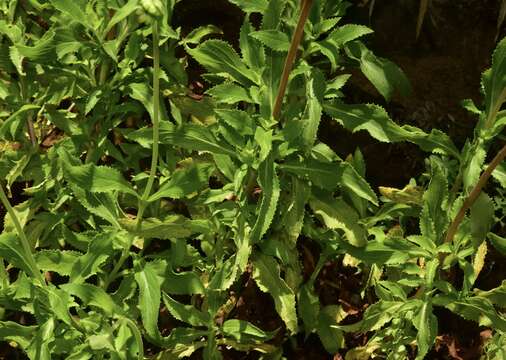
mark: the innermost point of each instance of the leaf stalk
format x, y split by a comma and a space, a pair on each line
473, 195
156, 123
27, 249
290, 58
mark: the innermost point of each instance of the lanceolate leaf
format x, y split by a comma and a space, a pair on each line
382, 73
184, 182
494, 83
186, 313
475, 308
98, 179
426, 324
172, 227
273, 39
313, 111
434, 217
75, 9
229, 93
266, 275
12, 251
89, 264
191, 137
92, 295
252, 52
219, 57
378, 124
336, 214
149, 300
251, 5
269, 182
245, 332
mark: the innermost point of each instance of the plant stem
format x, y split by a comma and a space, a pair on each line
27, 249
473, 195
290, 58
154, 156
137, 336
156, 123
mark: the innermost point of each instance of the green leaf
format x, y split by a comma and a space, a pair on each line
382, 73
336, 214
496, 296
22, 335
97, 179
499, 174
51, 301
252, 52
74, 9
475, 308
245, 332
473, 167
12, 251
294, 217
249, 6
266, 275
498, 242
426, 324
313, 111
322, 174
353, 181
60, 261
308, 307
269, 182
494, 83
273, 39
171, 227
219, 57
42, 51
182, 283
12, 123
149, 300
482, 218
94, 296
39, 348
184, 181
331, 337
192, 137
378, 124
196, 35
186, 313
272, 15
122, 13
237, 119
434, 217
99, 250
229, 93
376, 316
348, 32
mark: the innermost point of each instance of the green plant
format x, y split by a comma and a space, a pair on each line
145, 205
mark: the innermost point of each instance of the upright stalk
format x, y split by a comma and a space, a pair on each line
290, 58
154, 156
25, 244
473, 195
156, 122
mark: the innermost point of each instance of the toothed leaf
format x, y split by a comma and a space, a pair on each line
269, 183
